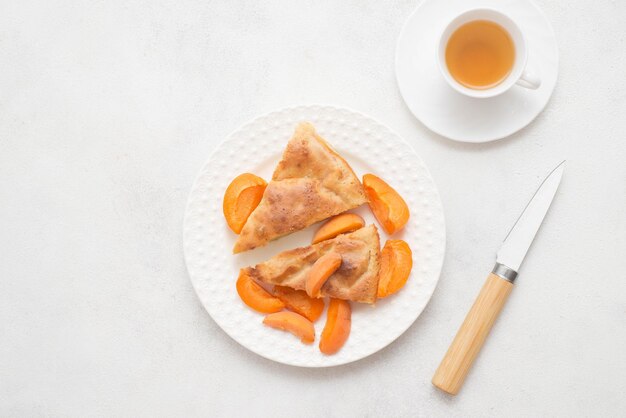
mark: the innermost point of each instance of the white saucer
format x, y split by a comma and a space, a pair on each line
451, 114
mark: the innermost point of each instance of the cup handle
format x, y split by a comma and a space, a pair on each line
529, 80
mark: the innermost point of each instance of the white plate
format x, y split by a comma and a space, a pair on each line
256, 147
449, 113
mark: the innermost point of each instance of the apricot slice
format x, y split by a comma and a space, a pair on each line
253, 295
242, 196
337, 328
294, 323
321, 270
396, 261
340, 224
388, 206
299, 302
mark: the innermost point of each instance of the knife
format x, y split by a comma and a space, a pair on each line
471, 336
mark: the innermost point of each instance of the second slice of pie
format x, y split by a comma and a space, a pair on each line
355, 280
311, 183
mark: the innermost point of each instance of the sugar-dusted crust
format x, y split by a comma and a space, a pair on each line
356, 279
311, 183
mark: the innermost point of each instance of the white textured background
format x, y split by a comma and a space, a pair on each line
109, 108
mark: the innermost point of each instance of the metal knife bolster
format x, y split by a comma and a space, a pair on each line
504, 272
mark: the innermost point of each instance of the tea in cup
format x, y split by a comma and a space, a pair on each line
482, 53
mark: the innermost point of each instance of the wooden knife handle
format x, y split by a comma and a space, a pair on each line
469, 339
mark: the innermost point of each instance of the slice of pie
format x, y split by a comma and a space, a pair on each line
311, 183
355, 280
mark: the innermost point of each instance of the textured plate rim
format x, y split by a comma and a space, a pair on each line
229, 137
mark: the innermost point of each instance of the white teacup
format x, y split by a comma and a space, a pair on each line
519, 74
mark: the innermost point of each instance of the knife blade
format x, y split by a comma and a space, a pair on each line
518, 240
472, 334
